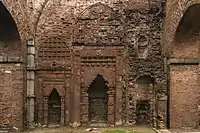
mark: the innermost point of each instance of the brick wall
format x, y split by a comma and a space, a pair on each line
183, 96
11, 95
175, 10
44, 19
186, 38
189, 49
183, 86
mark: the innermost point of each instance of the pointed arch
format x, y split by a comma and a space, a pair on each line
90, 79
174, 13
54, 107
53, 93
187, 35
19, 14
9, 30
189, 23
100, 78
98, 100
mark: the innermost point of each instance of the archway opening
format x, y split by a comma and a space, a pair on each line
187, 36
143, 110
9, 31
54, 108
98, 100
145, 80
145, 93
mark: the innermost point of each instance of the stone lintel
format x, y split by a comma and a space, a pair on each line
11, 59
31, 50
183, 61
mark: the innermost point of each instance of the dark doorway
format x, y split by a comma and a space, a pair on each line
98, 100
189, 26
54, 108
143, 112
8, 28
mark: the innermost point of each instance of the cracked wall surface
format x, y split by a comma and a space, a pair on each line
125, 38
116, 24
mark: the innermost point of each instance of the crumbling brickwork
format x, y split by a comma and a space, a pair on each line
87, 39
65, 45
145, 55
100, 36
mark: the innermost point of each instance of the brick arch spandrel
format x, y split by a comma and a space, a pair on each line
48, 89
89, 78
54, 20
18, 11
174, 14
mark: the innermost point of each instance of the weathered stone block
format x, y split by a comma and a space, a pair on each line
30, 75
31, 61
14, 59
30, 42
31, 50
1, 58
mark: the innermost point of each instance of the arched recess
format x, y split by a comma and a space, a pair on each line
54, 108
145, 85
145, 100
142, 47
9, 34
89, 79
53, 49
98, 25
187, 35
98, 100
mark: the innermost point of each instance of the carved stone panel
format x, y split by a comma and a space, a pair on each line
54, 48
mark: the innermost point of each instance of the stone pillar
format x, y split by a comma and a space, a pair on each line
118, 91
198, 106
40, 104
77, 106
111, 105
62, 111
152, 112
118, 102
84, 105
45, 101
30, 83
67, 102
76, 90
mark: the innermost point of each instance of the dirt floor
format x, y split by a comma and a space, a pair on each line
98, 130
185, 130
